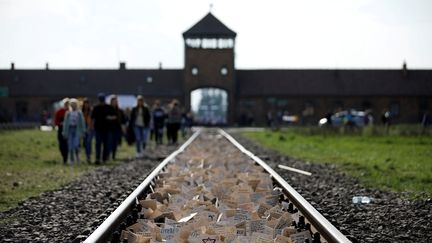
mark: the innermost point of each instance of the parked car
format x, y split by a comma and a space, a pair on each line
358, 119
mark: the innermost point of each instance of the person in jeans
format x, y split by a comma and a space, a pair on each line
88, 135
73, 128
117, 126
102, 116
140, 121
58, 121
173, 122
158, 118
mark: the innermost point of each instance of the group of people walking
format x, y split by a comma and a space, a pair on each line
108, 124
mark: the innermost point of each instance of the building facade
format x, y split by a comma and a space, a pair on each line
251, 94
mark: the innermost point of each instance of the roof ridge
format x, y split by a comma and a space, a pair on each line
209, 27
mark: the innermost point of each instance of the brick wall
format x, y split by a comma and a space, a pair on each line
209, 63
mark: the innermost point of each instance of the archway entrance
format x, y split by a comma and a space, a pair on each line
209, 106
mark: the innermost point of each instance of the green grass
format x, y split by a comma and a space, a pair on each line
30, 163
390, 162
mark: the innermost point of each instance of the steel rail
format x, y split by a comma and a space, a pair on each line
104, 231
324, 227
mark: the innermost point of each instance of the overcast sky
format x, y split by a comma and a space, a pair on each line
270, 34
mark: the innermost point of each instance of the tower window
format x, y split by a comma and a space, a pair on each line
194, 71
224, 71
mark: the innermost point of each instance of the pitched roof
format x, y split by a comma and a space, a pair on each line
334, 82
89, 82
209, 27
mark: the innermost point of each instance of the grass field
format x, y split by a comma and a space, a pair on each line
391, 162
30, 163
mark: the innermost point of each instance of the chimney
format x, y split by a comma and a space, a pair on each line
404, 69
46, 66
160, 65
122, 65
12, 66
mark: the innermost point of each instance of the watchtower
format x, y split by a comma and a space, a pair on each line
209, 60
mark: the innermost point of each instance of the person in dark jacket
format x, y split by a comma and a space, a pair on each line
173, 122
158, 116
140, 121
117, 130
103, 116
89, 133
58, 120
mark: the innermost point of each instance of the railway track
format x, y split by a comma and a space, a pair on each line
214, 190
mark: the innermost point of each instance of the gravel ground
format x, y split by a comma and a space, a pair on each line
389, 218
78, 208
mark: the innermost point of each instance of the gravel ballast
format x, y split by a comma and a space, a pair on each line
81, 206
388, 218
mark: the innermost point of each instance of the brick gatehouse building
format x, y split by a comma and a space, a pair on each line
209, 62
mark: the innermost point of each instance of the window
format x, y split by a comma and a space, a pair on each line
394, 109
271, 100
194, 71
282, 103
83, 79
247, 104
308, 109
4, 91
224, 71
149, 79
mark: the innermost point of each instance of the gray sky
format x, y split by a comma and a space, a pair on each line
271, 34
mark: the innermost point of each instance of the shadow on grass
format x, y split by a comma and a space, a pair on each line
51, 162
